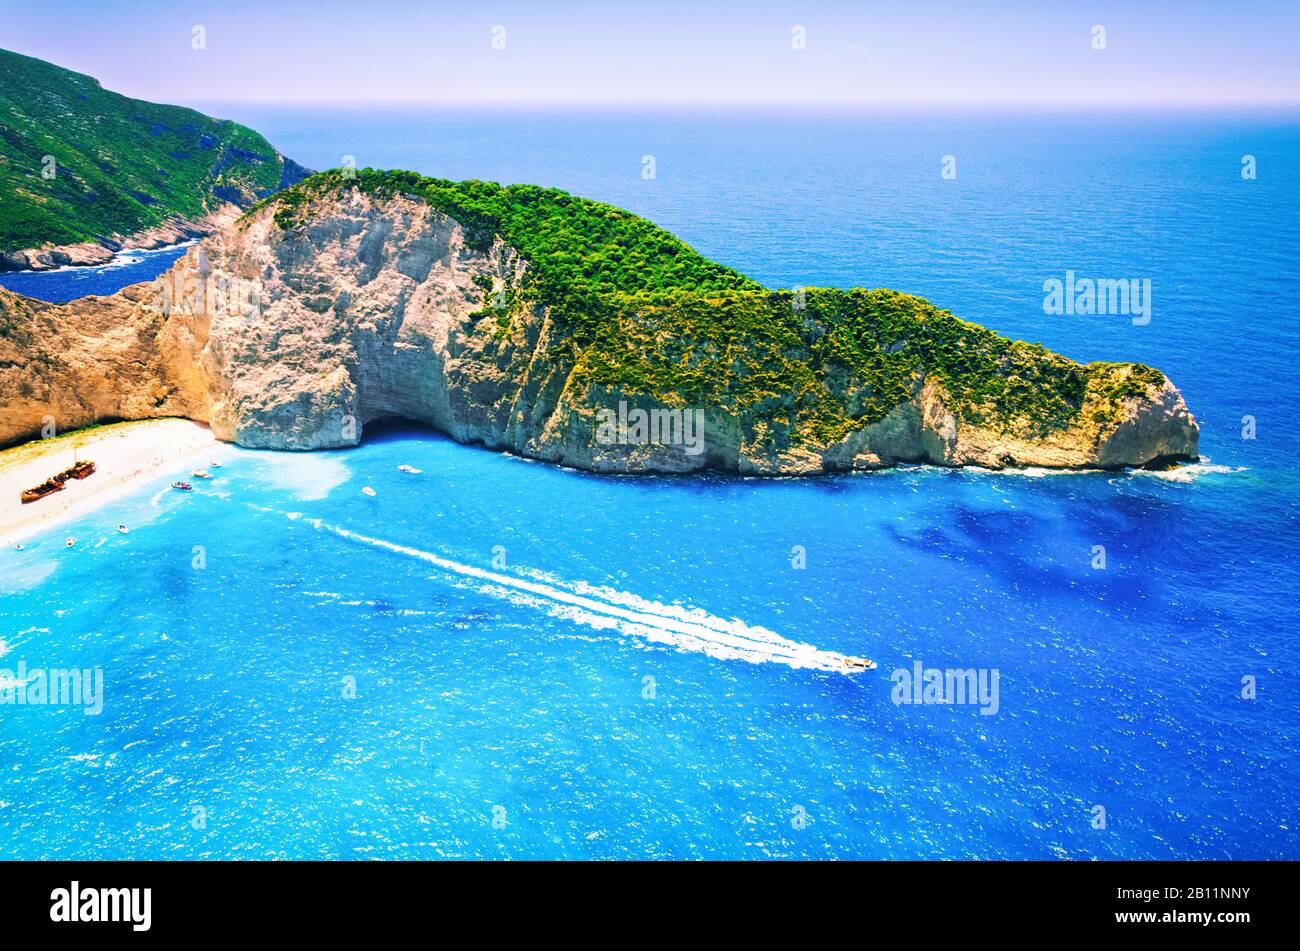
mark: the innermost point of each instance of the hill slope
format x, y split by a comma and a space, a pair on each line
120, 166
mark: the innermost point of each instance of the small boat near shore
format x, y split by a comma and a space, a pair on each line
201, 474
182, 486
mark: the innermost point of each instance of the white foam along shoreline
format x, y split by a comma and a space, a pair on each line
126, 456
121, 258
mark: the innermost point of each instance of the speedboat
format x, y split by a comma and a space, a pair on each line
214, 464
123, 530
201, 474
406, 468
183, 486
368, 491
860, 663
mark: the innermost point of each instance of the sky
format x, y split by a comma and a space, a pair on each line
1179, 52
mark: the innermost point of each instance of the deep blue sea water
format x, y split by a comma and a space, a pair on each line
517, 692
128, 267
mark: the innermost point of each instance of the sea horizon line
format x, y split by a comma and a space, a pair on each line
776, 105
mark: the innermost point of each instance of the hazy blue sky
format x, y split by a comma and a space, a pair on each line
1187, 51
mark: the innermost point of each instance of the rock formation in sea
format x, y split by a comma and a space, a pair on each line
536, 323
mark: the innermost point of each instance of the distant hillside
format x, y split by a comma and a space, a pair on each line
120, 166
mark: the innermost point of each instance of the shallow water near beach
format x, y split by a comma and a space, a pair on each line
548, 663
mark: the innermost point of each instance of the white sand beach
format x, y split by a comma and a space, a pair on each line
125, 454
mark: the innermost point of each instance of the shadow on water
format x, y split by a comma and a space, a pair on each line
175, 582
397, 429
1028, 554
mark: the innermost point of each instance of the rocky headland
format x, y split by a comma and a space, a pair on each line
530, 321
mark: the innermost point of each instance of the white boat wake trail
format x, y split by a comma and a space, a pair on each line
607, 609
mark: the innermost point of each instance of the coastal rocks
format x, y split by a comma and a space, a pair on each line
1159, 428
172, 231
374, 308
46, 259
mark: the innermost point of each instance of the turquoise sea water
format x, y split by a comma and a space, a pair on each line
500, 618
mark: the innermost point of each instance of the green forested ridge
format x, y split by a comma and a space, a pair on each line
573, 244
644, 313
121, 165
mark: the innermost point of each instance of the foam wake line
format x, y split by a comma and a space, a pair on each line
607, 609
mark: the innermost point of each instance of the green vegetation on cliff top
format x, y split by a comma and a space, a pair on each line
120, 165
643, 313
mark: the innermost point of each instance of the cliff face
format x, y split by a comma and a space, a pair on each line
373, 307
